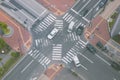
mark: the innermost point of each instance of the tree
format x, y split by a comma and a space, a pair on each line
4, 28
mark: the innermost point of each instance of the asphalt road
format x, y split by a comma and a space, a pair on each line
62, 47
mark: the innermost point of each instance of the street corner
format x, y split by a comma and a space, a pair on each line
58, 7
97, 31
20, 38
53, 70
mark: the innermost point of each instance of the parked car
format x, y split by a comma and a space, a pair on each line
79, 30
102, 3
91, 48
115, 66
84, 12
53, 33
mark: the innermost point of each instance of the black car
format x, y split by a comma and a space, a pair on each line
84, 12
79, 30
115, 66
102, 3
91, 48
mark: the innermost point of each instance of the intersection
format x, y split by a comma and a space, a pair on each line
63, 47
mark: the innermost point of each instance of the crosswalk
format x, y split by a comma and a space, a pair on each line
71, 37
73, 51
36, 54
42, 42
45, 23
68, 17
57, 52
59, 24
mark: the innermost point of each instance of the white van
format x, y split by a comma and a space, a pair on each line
70, 27
76, 61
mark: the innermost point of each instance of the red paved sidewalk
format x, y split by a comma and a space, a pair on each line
98, 31
21, 39
52, 71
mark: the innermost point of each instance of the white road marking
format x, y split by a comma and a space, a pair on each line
28, 7
76, 3
84, 6
83, 67
74, 11
93, 7
86, 19
86, 58
27, 66
103, 59
26, 15
40, 15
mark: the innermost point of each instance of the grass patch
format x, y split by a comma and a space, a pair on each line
116, 38
8, 65
113, 19
4, 46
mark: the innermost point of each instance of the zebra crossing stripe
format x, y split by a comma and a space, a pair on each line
56, 58
37, 55
70, 19
70, 55
56, 54
73, 52
36, 42
51, 20
69, 58
48, 62
43, 23
53, 16
41, 58
30, 51
64, 61
48, 21
65, 15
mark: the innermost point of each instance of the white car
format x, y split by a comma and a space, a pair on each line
71, 25
53, 33
76, 61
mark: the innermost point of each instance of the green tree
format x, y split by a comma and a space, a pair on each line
4, 28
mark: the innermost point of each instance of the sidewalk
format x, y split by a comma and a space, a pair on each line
110, 8
113, 53
51, 72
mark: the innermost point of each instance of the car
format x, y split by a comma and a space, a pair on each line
102, 3
91, 48
71, 25
116, 66
53, 33
84, 12
79, 30
76, 61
